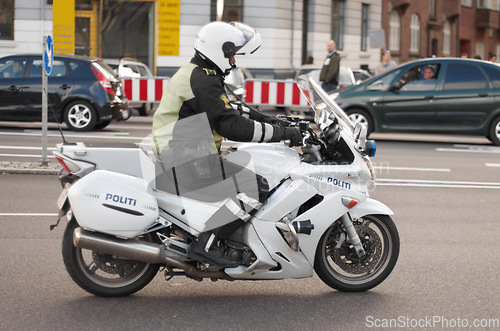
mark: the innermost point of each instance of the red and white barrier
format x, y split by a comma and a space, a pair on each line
277, 93
145, 89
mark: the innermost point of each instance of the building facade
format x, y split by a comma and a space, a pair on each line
161, 32
416, 29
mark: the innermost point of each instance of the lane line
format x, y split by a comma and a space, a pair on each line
471, 149
414, 169
497, 165
438, 185
74, 136
26, 155
29, 214
26, 147
435, 183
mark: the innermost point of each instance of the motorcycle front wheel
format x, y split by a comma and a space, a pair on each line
103, 274
338, 265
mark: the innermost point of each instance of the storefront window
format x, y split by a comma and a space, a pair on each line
7, 20
126, 29
233, 10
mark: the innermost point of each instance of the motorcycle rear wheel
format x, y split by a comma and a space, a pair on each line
101, 274
338, 265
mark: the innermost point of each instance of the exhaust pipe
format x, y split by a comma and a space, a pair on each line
137, 250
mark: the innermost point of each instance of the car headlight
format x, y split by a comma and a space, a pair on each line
334, 96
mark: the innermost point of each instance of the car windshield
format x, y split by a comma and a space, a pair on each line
325, 109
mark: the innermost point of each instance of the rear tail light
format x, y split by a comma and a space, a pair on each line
67, 165
105, 82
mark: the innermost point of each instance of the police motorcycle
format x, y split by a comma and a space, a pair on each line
121, 230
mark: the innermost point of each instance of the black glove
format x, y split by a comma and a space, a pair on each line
294, 135
278, 121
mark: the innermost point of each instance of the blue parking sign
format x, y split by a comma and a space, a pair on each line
48, 54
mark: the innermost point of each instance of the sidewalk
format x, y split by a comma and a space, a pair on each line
35, 168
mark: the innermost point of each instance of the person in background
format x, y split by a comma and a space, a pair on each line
492, 57
428, 73
329, 75
386, 64
17, 69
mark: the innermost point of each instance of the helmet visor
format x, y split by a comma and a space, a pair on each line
252, 39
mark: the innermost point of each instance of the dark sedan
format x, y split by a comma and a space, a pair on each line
82, 92
439, 95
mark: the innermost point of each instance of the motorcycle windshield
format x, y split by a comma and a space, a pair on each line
325, 108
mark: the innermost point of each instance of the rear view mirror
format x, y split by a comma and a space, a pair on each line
396, 86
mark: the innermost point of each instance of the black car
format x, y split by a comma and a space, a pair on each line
439, 95
82, 92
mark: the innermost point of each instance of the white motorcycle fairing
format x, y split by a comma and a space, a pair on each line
113, 203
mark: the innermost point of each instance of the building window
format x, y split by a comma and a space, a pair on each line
432, 9
496, 5
480, 49
447, 39
480, 4
338, 9
414, 34
488, 4
395, 32
365, 12
233, 10
467, 3
7, 20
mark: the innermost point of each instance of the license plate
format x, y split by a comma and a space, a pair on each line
63, 196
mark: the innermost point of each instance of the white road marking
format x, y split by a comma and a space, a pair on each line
26, 148
26, 155
471, 149
75, 136
493, 165
29, 214
435, 183
36, 148
414, 169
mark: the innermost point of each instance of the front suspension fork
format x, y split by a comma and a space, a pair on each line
352, 234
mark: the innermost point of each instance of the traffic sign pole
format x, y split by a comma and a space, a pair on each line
48, 55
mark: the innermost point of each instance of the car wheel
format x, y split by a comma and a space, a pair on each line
80, 116
494, 133
362, 117
145, 109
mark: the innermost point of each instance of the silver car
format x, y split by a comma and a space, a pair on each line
131, 68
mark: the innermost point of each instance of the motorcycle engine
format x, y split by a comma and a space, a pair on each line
238, 252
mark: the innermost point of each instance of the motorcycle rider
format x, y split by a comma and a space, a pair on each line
194, 116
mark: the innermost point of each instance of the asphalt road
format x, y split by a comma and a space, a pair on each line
444, 192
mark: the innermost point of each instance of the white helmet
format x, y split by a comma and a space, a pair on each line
219, 41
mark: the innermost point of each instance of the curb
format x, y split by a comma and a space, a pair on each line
29, 168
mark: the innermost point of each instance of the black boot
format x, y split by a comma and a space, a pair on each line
205, 249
